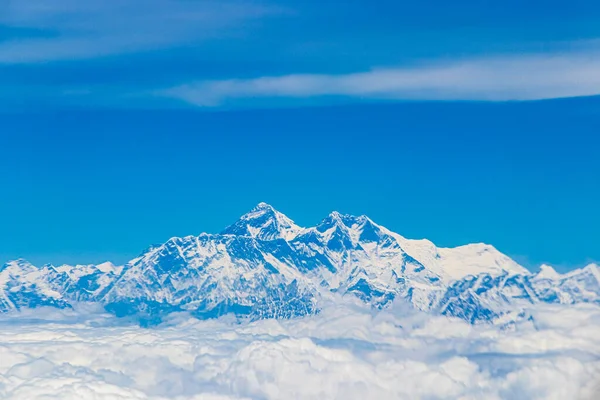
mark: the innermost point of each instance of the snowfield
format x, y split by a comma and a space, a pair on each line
347, 351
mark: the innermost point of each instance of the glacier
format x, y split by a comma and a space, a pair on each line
265, 266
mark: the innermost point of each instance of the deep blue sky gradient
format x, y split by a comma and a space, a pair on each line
97, 163
84, 186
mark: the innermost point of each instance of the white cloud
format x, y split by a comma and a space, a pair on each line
73, 29
345, 353
528, 77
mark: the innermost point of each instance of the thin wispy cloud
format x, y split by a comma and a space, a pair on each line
53, 30
527, 77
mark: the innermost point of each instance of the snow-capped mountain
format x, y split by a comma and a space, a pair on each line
264, 265
264, 223
22, 285
578, 286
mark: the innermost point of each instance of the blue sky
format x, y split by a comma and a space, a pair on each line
124, 124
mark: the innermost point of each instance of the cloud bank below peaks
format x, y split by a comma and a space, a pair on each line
346, 352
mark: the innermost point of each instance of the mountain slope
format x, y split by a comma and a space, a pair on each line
263, 222
213, 272
265, 266
24, 286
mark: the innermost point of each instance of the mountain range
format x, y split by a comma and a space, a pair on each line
266, 266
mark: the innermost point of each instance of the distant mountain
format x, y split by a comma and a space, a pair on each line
265, 223
266, 266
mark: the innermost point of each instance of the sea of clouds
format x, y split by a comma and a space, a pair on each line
346, 352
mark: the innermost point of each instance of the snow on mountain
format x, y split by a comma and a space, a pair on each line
264, 265
23, 285
82, 282
547, 272
458, 262
485, 297
474, 259
577, 286
349, 254
212, 274
265, 223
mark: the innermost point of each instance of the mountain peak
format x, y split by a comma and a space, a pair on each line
344, 221
264, 222
547, 272
263, 206
336, 215
19, 264
354, 229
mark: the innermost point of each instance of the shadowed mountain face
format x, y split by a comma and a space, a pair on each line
265, 266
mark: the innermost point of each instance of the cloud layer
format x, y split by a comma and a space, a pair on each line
42, 31
70, 30
345, 353
528, 77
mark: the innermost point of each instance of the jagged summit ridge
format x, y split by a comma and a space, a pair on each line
264, 222
266, 266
